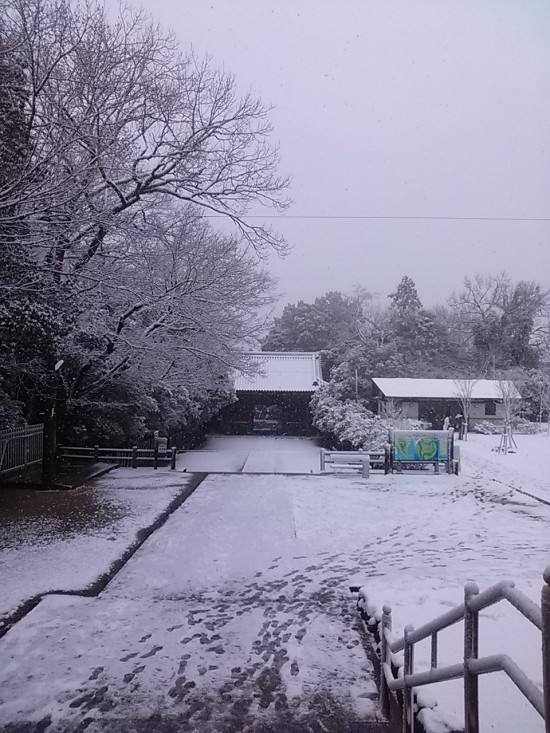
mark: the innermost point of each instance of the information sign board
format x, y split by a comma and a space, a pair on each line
421, 445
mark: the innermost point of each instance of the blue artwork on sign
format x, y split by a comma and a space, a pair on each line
421, 445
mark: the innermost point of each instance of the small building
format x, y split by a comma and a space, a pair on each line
273, 396
432, 399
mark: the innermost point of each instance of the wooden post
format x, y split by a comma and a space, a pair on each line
134, 456
96, 452
365, 467
173, 458
471, 694
385, 657
156, 456
322, 459
545, 608
387, 458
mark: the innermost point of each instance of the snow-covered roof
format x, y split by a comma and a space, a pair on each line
283, 371
482, 389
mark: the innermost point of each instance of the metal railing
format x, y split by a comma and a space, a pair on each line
130, 457
20, 447
472, 665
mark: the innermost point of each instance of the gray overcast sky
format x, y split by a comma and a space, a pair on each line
395, 108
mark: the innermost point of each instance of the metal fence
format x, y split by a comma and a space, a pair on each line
392, 685
20, 447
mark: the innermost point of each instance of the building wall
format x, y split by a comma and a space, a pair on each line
478, 413
410, 409
434, 411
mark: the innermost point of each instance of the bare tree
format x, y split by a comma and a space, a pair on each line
119, 119
181, 294
510, 401
463, 392
119, 124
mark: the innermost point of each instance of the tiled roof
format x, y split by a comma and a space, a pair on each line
483, 389
290, 371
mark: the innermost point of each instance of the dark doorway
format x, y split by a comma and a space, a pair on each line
267, 419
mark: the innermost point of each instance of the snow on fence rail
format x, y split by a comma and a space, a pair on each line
20, 447
392, 683
129, 457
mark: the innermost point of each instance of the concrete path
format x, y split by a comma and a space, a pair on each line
253, 454
234, 616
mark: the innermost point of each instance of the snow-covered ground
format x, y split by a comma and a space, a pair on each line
253, 454
238, 609
64, 540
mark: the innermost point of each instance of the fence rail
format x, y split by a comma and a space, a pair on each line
20, 447
129, 457
472, 665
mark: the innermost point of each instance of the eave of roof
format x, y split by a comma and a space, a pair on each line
288, 372
444, 389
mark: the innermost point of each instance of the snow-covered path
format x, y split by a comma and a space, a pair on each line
253, 454
228, 618
237, 612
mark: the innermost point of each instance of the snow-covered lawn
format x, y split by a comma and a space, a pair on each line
65, 540
238, 609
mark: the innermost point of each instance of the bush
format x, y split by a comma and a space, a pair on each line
519, 426
487, 428
526, 427
347, 424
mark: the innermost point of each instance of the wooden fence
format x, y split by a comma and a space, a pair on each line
130, 457
20, 447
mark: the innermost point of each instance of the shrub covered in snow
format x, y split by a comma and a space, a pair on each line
347, 424
487, 428
519, 425
526, 427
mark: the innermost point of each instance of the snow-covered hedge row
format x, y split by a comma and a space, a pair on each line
348, 424
520, 426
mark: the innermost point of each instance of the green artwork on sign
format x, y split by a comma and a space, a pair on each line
402, 446
426, 449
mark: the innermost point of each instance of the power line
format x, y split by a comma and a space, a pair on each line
282, 217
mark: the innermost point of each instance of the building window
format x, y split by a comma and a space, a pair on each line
490, 408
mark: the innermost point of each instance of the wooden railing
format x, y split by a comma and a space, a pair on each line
130, 457
472, 665
20, 447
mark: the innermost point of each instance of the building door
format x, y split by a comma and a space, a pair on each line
267, 419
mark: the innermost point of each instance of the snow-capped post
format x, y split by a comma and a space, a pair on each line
471, 649
385, 658
134, 456
408, 692
545, 608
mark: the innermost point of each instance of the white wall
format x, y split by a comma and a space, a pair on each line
410, 409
